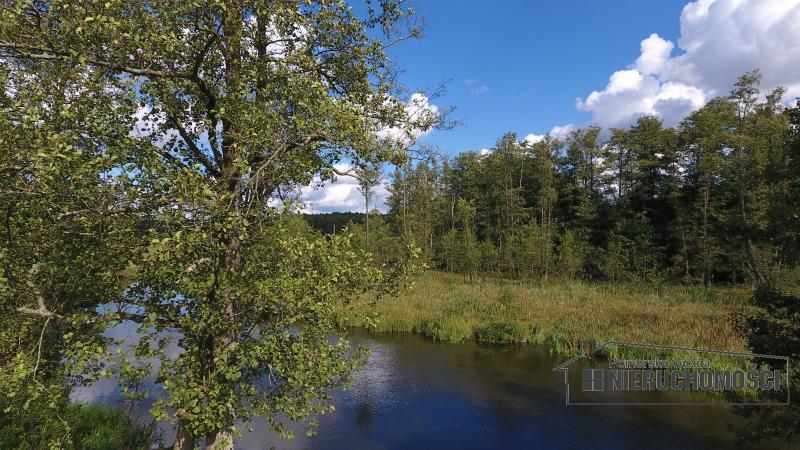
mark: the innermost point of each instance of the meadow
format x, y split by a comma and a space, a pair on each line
557, 313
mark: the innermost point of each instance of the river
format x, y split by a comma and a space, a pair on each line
417, 394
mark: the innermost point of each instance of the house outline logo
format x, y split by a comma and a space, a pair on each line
592, 379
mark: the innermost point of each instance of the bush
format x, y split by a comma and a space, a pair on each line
501, 333
96, 427
560, 341
84, 427
452, 330
774, 328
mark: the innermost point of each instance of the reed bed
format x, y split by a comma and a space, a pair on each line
557, 313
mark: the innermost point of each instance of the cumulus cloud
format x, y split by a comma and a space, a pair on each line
720, 40
341, 195
534, 138
655, 53
558, 132
419, 110
561, 132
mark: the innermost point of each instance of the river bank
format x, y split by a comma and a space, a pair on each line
556, 313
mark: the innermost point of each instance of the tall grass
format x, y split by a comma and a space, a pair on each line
559, 313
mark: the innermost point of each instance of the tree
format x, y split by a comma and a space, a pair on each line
570, 254
239, 100
368, 179
544, 172
647, 183
754, 143
534, 250
784, 209
773, 325
705, 135
68, 229
580, 172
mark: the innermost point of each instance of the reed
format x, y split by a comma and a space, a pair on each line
557, 313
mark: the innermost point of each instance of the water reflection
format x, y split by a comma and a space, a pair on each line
416, 393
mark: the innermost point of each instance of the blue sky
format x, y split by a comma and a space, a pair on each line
519, 65
533, 67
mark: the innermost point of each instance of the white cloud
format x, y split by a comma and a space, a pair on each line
655, 53
419, 110
561, 132
341, 195
534, 138
475, 88
720, 40
558, 132
480, 90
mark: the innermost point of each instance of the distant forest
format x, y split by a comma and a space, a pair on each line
715, 199
330, 223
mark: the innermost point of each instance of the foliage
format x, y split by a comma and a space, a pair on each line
145, 144
501, 333
774, 328
334, 222
49, 421
712, 200
558, 312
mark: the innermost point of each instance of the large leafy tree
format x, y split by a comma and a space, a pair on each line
758, 139
238, 101
705, 135
67, 232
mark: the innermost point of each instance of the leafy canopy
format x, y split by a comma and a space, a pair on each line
152, 139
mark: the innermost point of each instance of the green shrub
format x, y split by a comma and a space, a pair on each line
774, 328
96, 427
451, 329
559, 342
84, 427
501, 333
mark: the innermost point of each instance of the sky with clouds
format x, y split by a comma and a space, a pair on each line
547, 67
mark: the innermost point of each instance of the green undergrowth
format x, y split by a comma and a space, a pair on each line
557, 314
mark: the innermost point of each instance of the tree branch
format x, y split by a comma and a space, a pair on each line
27, 51
196, 151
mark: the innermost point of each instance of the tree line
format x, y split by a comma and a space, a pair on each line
712, 200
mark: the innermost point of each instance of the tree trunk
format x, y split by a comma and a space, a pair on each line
366, 216
705, 237
223, 344
182, 440
405, 224
685, 256
752, 262
220, 440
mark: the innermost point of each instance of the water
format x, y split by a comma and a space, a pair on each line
414, 393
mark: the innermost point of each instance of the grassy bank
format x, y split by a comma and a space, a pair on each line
76, 426
557, 313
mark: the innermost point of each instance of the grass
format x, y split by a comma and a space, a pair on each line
558, 313
90, 427
106, 428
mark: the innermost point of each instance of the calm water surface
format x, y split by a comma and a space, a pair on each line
414, 393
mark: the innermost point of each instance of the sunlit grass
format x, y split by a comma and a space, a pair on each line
557, 313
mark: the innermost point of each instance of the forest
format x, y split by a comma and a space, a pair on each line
713, 200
